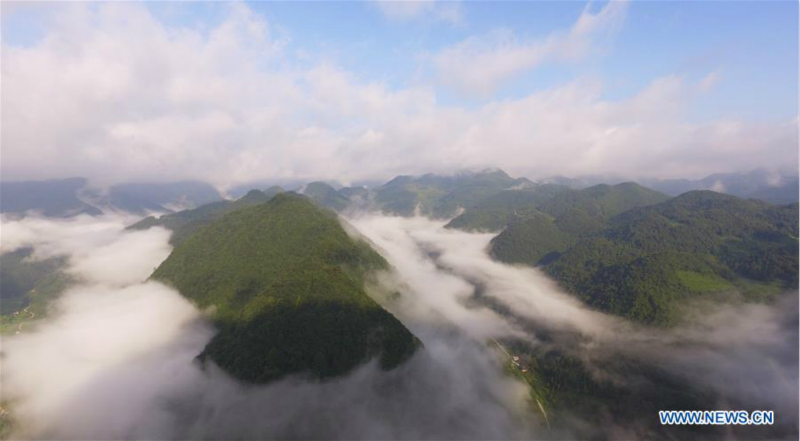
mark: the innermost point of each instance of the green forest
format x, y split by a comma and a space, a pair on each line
286, 286
644, 262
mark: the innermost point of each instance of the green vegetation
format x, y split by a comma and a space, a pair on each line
603, 200
326, 195
442, 196
574, 211
556, 223
185, 223
645, 263
27, 287
497, 211
520, 370
568, 385
6, 420
531, 239
286, 286
699, 282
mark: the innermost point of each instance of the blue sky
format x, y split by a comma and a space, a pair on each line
753, 45
707, 63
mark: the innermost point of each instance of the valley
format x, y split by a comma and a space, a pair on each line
331, 287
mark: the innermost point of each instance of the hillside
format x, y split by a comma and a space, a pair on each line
27, 286
185, 223
326, 195
771, 186
564, 218
441, 196
643, 264
495, 212
142, 197
286, 285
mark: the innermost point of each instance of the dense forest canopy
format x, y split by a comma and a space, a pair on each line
286, 284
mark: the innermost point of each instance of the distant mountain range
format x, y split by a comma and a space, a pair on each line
699, 243
439, 196
284, 282
74, 196
55, 198
775, 187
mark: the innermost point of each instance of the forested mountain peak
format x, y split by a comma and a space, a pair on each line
286, 283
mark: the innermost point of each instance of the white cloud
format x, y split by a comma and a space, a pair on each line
135, 99
91, 243
125, 353
480, 64
449, 12
709, 81
116, 358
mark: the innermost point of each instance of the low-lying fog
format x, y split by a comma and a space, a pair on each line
115, 358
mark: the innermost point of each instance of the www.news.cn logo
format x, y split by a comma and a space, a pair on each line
716, 417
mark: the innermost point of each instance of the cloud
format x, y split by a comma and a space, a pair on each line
450, 12
709, 81
138, 99
739, 356
461, 262
124, 349
100, 328
481, 64
91, 244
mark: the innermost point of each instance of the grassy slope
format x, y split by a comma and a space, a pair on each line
286, 283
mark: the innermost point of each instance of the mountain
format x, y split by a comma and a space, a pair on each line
495, 212
285, 283
559, 221
53, 198
602, 200
146, 197
645, 263
786, 193
27, 286
290, 184
771, 186
441, 196
71, 197
774, 187
326, 195
185, 223
353, 193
